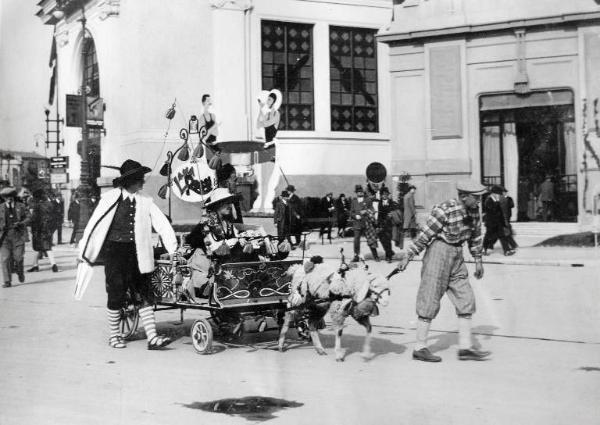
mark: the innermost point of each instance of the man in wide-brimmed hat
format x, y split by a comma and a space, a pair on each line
14, 217
121, 227
448, 226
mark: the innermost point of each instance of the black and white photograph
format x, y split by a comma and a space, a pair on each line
346, 212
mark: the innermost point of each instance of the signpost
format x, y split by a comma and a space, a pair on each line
58, 169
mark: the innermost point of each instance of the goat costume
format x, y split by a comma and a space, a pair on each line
120, 231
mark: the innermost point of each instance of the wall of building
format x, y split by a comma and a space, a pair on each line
557, 56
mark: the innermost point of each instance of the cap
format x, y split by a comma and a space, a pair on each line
470, 186
8, 191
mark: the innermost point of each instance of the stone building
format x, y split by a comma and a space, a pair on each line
504, 92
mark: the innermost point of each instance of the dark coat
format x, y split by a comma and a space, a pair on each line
342, 208
42, 224
281, 217
384, 221
410, 211
296, 214
73, 213
18, 233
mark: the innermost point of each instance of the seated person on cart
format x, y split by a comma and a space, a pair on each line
217, 240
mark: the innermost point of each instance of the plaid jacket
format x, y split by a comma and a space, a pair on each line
451, 222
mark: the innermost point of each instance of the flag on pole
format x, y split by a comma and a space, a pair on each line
52, 64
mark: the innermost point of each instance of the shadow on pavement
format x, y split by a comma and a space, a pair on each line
445, 340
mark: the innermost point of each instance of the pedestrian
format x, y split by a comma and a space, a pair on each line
449, 225
227, 178
328, 209
296, 215
384, 223
14, 218
409, 223
507, 204
121, 227
495, 223
363, 222
73, 216
58, 215
43, 226
547, 198
281, 216
342, 209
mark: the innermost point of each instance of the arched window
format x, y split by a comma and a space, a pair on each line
90, 68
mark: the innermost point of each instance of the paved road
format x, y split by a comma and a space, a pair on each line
540, 322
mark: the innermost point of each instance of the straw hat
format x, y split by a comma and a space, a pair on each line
218, 196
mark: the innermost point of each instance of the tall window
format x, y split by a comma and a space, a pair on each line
90, 68
92, 82
287, 65
353, 79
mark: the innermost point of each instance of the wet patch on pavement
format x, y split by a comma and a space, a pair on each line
253, 408
590, 368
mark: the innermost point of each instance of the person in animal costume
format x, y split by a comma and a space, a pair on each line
120, 232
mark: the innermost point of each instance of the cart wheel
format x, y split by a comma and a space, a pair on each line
130, 319
202, 336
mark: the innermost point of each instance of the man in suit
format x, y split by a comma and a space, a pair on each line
363, 222
14, 218
73, 215
328, 210
384, 223
295, 205
409, 224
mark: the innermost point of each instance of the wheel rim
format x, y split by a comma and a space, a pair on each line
129, 321
201, 336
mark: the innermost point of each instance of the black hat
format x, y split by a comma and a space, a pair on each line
497, 189
290, 188
130, 171
225, 172
358, 188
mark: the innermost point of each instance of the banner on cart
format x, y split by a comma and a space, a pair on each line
193, 181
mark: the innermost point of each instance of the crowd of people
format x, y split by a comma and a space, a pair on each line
371, 213
35, 216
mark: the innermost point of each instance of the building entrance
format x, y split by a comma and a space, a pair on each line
528, 145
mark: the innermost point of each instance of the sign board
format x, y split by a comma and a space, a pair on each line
59, 178
193, 181
94, 112
59, 162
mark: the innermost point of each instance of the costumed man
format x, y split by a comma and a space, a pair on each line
296, 214
384, 222
120, 231
328, 210
268, 117
363, 222
448, 226
208, 121
14, 218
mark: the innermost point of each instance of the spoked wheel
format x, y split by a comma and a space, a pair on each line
130, 319
202, 336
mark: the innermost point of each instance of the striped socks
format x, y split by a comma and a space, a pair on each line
147, 317
114, 318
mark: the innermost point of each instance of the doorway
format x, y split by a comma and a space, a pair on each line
528, 145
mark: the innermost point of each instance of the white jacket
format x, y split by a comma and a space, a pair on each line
147, 216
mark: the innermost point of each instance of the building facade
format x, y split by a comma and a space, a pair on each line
504, 92
141, 57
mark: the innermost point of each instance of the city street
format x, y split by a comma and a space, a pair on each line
541, 322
